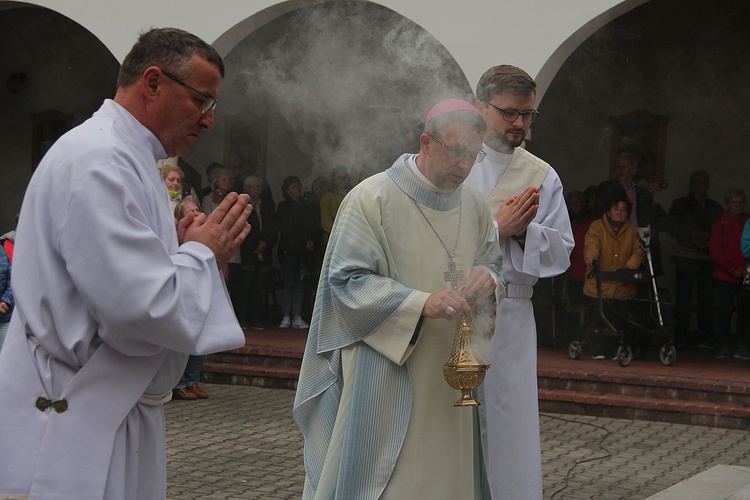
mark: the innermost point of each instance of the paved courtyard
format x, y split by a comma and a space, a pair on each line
241, 443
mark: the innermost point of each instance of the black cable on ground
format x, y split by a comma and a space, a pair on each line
582, 461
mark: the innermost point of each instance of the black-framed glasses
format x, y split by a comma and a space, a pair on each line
461, 153
510, 115
208, 103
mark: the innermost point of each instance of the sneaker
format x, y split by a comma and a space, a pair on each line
742, 353
724, 353
257, 326
598, 356
285, 323
299, 323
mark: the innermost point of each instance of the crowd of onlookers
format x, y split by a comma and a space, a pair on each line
291, 234
710, 254
286, 245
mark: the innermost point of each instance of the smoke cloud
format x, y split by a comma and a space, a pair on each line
341, 83
483, 321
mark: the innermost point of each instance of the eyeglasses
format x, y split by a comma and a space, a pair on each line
462, 153
510, 115
208, 103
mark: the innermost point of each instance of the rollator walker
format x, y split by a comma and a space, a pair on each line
647, 323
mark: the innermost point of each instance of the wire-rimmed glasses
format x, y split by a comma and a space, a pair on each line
208, 103
510, 115
462, 153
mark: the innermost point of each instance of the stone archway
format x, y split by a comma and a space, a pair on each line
558, 58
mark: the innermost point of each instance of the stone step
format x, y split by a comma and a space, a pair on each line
644, 408
270, 350
697, 392
647, 386
290, 360
270, 358
270, 376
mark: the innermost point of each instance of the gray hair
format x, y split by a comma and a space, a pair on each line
170, 49
252, 180
633, 159
734, 193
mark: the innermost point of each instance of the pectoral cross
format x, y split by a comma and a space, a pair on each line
453, 275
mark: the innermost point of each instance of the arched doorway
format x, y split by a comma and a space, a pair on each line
335, 83
53, 74
679, 66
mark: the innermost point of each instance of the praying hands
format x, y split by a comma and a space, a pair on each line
515, 215
223, 230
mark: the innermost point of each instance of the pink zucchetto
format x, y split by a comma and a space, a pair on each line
448, 106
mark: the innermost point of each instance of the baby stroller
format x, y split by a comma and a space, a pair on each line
650, 322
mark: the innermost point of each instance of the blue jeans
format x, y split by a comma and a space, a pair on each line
693, 274
291, 274
192, 373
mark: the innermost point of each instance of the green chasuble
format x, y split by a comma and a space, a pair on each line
377, 415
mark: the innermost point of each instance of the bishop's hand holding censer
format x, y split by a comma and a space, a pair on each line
467, 364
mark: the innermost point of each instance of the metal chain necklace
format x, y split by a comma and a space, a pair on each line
452, 275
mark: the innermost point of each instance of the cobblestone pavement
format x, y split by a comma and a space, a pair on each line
241, 443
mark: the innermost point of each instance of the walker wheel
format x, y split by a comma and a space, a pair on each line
574, 350
624, 355
668, 354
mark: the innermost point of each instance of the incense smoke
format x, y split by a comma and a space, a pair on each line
341, 83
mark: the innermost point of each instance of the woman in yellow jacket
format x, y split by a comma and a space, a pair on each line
613, 241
